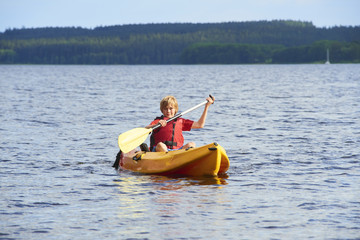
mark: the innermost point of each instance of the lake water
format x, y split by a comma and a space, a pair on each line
292, 134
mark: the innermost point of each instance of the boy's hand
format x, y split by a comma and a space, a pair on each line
163, 122
210, 100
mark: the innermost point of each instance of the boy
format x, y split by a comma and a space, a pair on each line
169, 136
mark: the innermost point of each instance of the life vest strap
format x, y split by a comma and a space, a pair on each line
170, 143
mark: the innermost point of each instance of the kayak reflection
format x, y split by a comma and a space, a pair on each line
134, 182
174, 182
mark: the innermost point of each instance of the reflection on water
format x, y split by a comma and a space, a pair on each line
173, 182
166, 201
169, 183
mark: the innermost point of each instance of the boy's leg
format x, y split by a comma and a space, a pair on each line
161, 147
189, 145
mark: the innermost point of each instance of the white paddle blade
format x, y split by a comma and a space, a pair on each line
133, 138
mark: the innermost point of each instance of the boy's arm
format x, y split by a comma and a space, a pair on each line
201, 122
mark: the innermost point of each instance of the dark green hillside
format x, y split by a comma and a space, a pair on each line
174, 43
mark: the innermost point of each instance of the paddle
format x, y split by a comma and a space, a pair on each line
131, 139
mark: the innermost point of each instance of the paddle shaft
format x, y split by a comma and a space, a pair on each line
181, 114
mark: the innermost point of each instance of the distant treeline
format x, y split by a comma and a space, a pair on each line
177, 43
215, 53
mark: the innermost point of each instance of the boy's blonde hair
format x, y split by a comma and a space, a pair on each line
169, 100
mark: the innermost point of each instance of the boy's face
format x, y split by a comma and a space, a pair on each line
169, 111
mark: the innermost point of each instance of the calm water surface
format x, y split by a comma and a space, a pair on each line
292, 133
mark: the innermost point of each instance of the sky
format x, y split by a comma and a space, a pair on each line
94, 13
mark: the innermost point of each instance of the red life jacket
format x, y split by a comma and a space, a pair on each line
171, 135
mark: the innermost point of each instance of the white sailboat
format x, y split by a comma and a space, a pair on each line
327, 57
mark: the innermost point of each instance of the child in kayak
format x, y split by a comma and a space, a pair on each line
169, 136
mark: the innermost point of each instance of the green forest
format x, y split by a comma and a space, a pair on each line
254, 42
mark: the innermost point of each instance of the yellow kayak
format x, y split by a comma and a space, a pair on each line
208, 160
